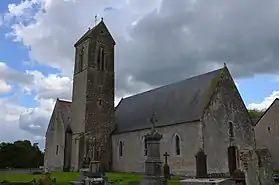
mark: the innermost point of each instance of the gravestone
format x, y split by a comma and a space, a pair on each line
166, 167
249, 165
265, 167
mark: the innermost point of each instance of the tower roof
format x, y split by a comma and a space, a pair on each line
95, 31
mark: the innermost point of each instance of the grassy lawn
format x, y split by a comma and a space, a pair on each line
63, 178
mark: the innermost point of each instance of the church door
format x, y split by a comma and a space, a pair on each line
201, 166
81, 152
232, 159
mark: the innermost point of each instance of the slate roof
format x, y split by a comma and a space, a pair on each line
91, 31
179, 102
65, 111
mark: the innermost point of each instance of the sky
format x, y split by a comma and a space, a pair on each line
157, 42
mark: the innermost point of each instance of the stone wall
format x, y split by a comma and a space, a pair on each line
226, 108
133, 149
55, 140
78, 114
267, 130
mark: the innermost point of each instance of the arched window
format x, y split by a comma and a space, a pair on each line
145, 147
101, 58
177, 145
120, 148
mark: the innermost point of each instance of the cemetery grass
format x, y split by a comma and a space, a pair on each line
63, 178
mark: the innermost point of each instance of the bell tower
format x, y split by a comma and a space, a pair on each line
93, 92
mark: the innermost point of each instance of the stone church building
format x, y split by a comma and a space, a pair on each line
202, 114
267, 132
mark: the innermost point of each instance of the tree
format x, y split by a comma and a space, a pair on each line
20, 154
254, 113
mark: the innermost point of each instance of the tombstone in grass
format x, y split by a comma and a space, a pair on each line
153, 163
265, 167
166, 167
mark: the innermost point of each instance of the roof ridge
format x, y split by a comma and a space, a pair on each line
163, 86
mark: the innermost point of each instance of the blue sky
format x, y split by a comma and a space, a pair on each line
37, 37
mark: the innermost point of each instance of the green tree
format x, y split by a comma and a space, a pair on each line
20, 154
254, 113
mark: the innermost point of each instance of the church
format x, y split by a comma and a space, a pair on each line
204, 114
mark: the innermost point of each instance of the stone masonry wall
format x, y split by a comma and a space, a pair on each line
267, 133
55, 137
133, 149
78, 114
226, 106
100, 94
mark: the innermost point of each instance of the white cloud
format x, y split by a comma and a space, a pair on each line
4, 87
265, 103
10, 75
36, 119
205, 35
51, 86
10, 128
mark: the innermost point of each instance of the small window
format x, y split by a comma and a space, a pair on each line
80, 62
145, 147
177, 145
120, 149
231, 132
56, 149
98, 60
101, 58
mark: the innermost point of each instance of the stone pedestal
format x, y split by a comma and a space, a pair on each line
94, 166
265, 167
153, 163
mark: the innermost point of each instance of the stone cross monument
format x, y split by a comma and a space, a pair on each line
153, 163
